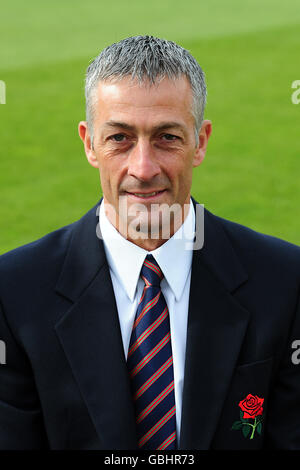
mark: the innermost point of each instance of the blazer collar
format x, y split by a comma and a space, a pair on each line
218, 253
86, 255
84, 258
90, 335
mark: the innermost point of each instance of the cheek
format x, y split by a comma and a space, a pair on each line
184, 172
184, 183
111, 174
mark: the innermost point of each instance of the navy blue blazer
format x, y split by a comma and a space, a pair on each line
64, 383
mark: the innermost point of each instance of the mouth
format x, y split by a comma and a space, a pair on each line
146, 196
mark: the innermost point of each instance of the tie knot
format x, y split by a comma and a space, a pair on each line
151, 272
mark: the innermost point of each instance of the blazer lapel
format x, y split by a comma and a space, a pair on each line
216, 329
90, 336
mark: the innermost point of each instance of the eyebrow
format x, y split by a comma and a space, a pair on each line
158, 127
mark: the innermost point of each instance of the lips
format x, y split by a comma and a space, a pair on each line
147, 195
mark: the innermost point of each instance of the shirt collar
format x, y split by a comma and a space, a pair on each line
125, 259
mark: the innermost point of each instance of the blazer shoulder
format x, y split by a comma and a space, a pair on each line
41, 261
260, 247
47, 248
41, 254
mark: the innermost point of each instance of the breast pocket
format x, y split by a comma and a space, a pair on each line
242, 422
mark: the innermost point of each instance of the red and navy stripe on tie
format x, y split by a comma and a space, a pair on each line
150, 365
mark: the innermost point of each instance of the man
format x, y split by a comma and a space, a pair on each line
118, 336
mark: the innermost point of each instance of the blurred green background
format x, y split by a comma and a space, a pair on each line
249, 51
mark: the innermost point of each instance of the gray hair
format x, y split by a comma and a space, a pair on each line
145, 58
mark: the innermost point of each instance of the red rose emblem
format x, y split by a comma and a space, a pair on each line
251, 406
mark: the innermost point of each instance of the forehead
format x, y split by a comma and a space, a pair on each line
143, 102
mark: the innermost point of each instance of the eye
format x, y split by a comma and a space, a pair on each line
117, 137
170, 137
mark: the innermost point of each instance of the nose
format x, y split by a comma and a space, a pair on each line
142, 162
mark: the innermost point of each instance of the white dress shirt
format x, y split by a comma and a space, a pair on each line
125, 260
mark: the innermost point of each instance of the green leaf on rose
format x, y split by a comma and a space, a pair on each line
237, 425
245, 430
259, 427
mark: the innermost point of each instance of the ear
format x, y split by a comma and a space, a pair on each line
204, 135
86, 139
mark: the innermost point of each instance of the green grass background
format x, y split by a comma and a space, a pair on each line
249, 51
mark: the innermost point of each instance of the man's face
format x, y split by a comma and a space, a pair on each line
144, 142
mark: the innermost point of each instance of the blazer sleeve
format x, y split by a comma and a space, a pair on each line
21, 421
283, 428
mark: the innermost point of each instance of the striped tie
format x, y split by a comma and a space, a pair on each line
150, 365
